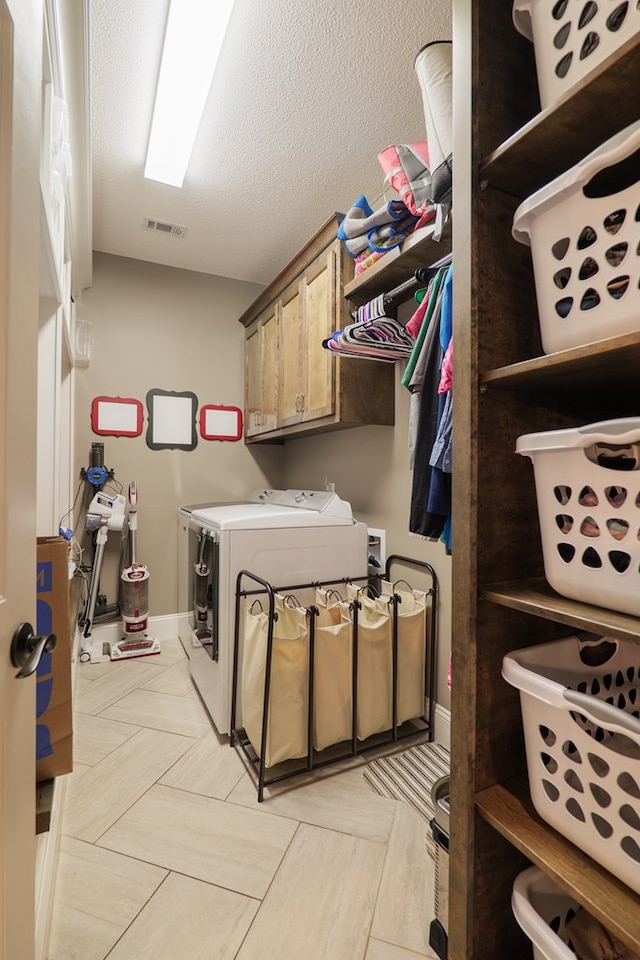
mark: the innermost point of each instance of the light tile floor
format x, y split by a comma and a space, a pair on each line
166, 852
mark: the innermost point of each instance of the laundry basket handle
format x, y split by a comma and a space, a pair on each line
525, 679
522, 18
622, 431
612, 151
604, 714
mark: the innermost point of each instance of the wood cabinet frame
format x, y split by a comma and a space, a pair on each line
504, 386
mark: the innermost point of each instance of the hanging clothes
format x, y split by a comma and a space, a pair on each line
441, 459
423, 330
427, 314
432, 450
417, 381
421, 522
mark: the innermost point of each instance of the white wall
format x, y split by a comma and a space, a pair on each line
154, 326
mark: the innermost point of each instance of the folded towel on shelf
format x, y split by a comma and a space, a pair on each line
361, 219
364, 229
367, 259
391, 235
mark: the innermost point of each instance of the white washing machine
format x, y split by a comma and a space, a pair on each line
292, 537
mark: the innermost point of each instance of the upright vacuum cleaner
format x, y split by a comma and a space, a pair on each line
134, 583
108, 513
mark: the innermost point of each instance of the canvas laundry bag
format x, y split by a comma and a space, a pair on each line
375, 666
333, 670
412, 626
289, 690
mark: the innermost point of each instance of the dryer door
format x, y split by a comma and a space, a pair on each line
205, 589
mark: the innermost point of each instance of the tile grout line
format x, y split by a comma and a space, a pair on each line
227, 799
133, 919
270, 884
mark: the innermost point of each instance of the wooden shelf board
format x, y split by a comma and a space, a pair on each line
508, 808
536, 597
418, 250
605, 363
610, 93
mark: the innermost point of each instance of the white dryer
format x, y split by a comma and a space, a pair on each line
187, 555
295, 537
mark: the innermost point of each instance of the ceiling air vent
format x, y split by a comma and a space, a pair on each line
159, 226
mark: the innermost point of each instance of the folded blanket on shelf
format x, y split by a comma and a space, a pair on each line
364, 229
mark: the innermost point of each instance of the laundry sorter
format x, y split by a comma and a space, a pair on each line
325, 670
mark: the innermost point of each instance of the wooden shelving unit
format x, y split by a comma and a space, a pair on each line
536, 597
508, 809
563, 134
504, 150
418, 250
608, 365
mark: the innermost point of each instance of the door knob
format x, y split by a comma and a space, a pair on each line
27, 649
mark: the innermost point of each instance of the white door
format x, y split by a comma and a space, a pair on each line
20, 73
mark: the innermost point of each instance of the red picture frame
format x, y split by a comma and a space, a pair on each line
116, 416
219, 422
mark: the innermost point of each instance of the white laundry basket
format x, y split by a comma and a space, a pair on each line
588, 492
584, 230
542, 910
571, 37
579, 702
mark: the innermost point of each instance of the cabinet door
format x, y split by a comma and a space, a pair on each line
261, 383
292, 358
319, 296
269, 411
253, 381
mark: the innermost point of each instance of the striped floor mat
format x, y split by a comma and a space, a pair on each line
409, 776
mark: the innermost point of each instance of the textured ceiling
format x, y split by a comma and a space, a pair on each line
305, 96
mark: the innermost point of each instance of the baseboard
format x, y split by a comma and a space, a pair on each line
168, 628
442, 726
48, 843
163, 628
47, 853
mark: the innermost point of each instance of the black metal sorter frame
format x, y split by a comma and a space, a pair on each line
314, 758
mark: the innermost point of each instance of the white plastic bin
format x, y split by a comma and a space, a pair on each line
583, 229
572, 37
542, 910
579, 701
588, 493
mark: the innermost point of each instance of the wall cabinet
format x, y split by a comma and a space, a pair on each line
293, 386
504, 150
308, 314
261, 358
